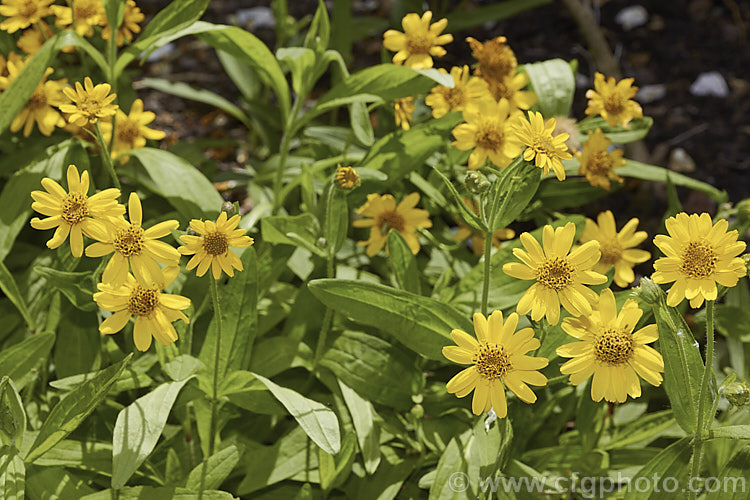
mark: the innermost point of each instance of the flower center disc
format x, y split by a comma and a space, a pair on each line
419, 43
129, 241
698, 260
143, 301
391, 220
613, 347
454, 97
28, 9
491, 361
600, 163
555, 274
215, 244
128, 132
611, 252
489, 138
613, 104
74, 208
38, 99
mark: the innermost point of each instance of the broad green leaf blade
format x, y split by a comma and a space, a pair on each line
71, 38
381, 372
647, 172
76, 287
56, 483
337, 219
320, 30
451, 469
15, 198
730, 432
12, 474
467, 214
554, 85
239, 319
300, 230
645, 428
361, 124
10, 289
671, 462
194, 196
158, 492
82, 455
638, 128
301, 62
396, 312
138, 428
363, 418
69, 413
175, 16
12, 415
403, 263
317, 420
218, 467
683, 367
733, 478
18, 361
510, 194
574, 192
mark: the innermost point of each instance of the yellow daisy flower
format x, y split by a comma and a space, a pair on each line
83, 15
213, 248
499, 360
477, 239
130, 19
72, 212
41, 108
386, 215
699, 254
404, 110
131, 131
16, 59
597, 163
489, 132
21, 14
560, 274
609, 350
32, 39
419, 42
495, 59
466, 89
546, 150
346, 177
613, 100
154, 310
135, 248
617, 249
568, 125
509, 88
89, 103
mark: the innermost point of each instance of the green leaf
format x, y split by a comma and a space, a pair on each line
683, 367
76, 287
186, 91
194, 196
248, 48
363, 419
574, 192
299, 230
317, 420
242, 389
732, 478
403, 263
645, 428
83, 455
12, 474
69, 413
10, 289
639, 128
15, 198
239, 319
12, 415
381, 372
647, 172
361, 124
335, 471
554, 84
730, 432
301, 63
129, 379
183, 367
218, 467
71, 38
115, 10
320, 30
138, 428
56, 483
510, 194
671, 462
461, 19
428, 321
20, 360
175, 16
451, 465
337, 219
467, 214
158, 493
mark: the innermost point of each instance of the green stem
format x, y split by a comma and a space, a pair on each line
486, 280
704, 395
106, 155
283, 154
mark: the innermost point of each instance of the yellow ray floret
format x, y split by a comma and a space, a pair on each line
131, 18
466, 89
608, 349
82, 15
499, 360
617, 249
131, 130
597, 163
419, 42
612, 100
73, 212
546, 150
89, 103
154, 310
21, 14
212, 248
561, 275
383, 215
488, 131
134, 248
698, 255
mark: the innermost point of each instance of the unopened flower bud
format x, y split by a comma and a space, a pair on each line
648, 291
736, 392
417, 411
743, 210
476, 182
346, 177
230, 208
190, 231
322, 242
